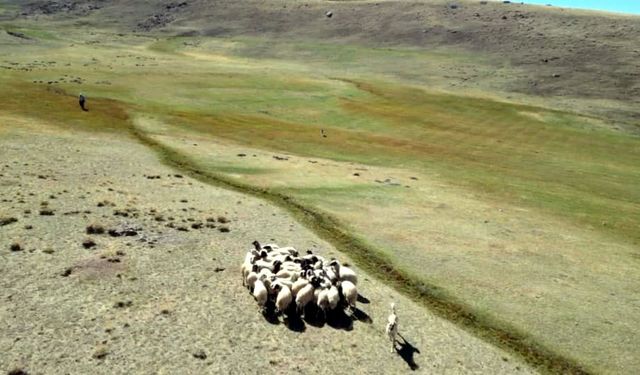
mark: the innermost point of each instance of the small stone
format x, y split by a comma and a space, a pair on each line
88, 243
200, 354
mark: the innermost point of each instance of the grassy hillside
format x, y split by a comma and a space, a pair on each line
518, 207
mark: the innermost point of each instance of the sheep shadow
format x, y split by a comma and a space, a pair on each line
313, 316
293, 321
363, 299
406, 352
338, 319
362, 316
269, 313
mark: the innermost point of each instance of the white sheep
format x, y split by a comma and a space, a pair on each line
350, 294
284, 298
249, 259
344, 273
252, 277
261, 294
392, 327
322, 301
333, 296
304, 296
298, 285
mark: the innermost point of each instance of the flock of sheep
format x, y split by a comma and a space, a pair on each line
282, 275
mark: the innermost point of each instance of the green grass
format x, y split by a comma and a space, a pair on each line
573, 175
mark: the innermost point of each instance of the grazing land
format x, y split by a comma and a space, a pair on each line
481, 160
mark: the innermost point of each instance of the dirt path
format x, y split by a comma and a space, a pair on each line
164, 297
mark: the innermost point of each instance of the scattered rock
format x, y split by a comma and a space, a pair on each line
200, 354
123, 304
88, 243
124, 231
66, 272
218, 269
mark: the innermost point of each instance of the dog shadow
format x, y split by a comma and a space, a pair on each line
406, 352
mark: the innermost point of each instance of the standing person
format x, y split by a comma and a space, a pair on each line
82, 100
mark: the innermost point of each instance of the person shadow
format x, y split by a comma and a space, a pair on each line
406, 351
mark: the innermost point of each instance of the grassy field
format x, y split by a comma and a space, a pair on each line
508, 207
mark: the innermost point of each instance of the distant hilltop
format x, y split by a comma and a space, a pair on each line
625, 6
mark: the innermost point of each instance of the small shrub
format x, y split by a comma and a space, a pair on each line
46, 212
16, 246
95, 229
222, 219
7, 220
224, 229
88, 243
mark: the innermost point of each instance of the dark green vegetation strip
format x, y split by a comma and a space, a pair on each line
380, 266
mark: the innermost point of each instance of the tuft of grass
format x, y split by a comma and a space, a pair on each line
16, 246
88, 243
5, 220
95, 229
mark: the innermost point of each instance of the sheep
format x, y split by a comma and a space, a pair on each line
261, 294
303, 297
249, 259
284, 298
392, 327
288, 250
298, 285
256, 245
285, 274
322, 300
350, 294
274, 267
331, 274
333, 296
252, 277
282, 280
344, 273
